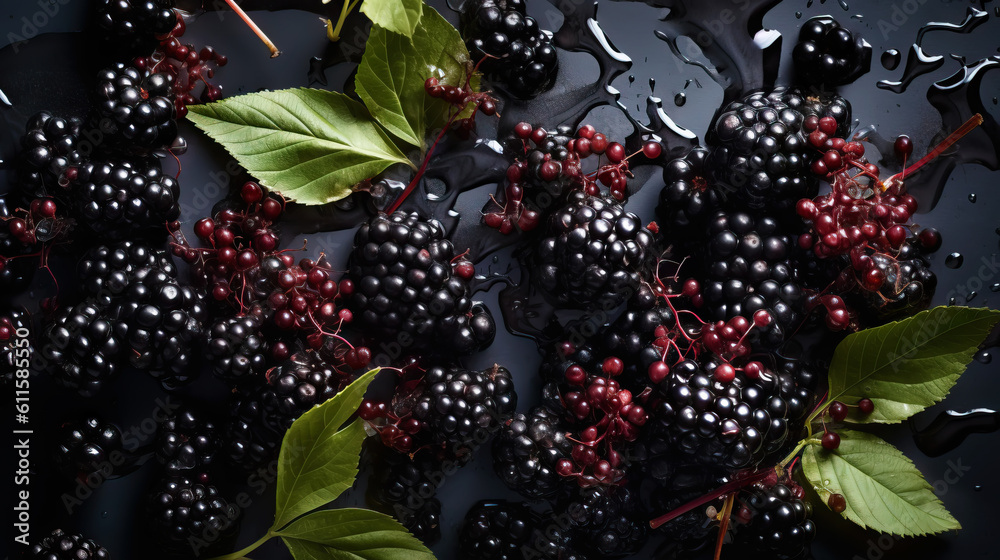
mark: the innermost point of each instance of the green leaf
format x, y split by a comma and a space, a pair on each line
398, 16
391, 76
906, 366
319, 460
351, 534
884, 491
312, 146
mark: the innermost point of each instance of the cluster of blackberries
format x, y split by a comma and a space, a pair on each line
509, 46
411, 287
119, 200
135, 25
828, 54
509, 531
61, 546
134, 109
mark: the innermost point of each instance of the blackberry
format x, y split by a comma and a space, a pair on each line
594, 253
404, 288
135, 24
819, 105
236, 347
116, 200
749, 270
88, 445
181, 510
779, 525
49, 147
761, 153
509, 46
499, 530
106, 270
908, 287
80, 349
16, 268
727, 426
135, 110
554, 148
528, 449
606, 521
828, 54
158, 321
687, 198
60, 546
458, 408
187, 444
261, 414
406, 488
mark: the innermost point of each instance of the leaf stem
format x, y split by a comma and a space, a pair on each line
243, 552
334, 34
423, 166
788, 459
253, 26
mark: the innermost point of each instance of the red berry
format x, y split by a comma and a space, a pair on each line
819, 167
652, 150
598, 143
866, 406
810, 124
725, 373
753, 370
613, 366
251, 192
47, 208
896, 235
358, 357
464, 269
430, 83
488, 107
838, 411
615, 152
549, 171
658, 371
830, 441
224, 237
586, 131
204, 227
832, 160
854, 149
828, 125
762, 318
493, 219
930, 239
837, 502
903, 146
817, 137
17, 227
539, 135
523, 130
271, 208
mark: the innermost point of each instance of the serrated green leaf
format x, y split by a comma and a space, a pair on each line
310, 145
319, 460
398, 16
391, 76
351, 534
906, 366
884, 491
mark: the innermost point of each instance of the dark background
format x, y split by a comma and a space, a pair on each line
44, 74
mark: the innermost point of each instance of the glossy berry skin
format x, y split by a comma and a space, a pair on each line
134, 24
402, 487
135, 110
605, 520
49, 147
90, 359
237, 347
687, 198
106, 271
593, 251
180, 509
830, 441
829, 54
866, 406
404, 285
119, 200
908, 287
59, 545
88, 445
837, 502
779, 526
727, 426
521, 57
187, 443
527, 451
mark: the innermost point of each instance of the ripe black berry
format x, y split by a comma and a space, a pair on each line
180, 509
119, 200
406, 488
88, 445
499, 530
135, 110
237, 347
80, 349
527, 451
105, 271
779, 524
404, 288
49, 147
60, 546
187, 443
509, 45
828, 54
687, 198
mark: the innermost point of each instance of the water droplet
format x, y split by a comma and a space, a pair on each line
997, 231
952, 301
954, 260
826, 482
972, 198
972, 295
631, 78
995, 287
994, 100
978, 488
104, 514
680, 99
983, 357
798, 15
496, 259
652, 84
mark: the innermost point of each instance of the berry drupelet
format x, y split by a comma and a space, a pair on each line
105, 271
528, 450
593, 253
135, 25
509, 46
61, 546
405, 285
134, 109
778, 526
828, 54
88, 445
237, 347
687, 198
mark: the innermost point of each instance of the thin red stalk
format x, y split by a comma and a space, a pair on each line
973, 122
253, 26
423, 166
725, 489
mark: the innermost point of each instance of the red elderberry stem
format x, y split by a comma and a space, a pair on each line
967, 127
423, 166
740, 482
253, 26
